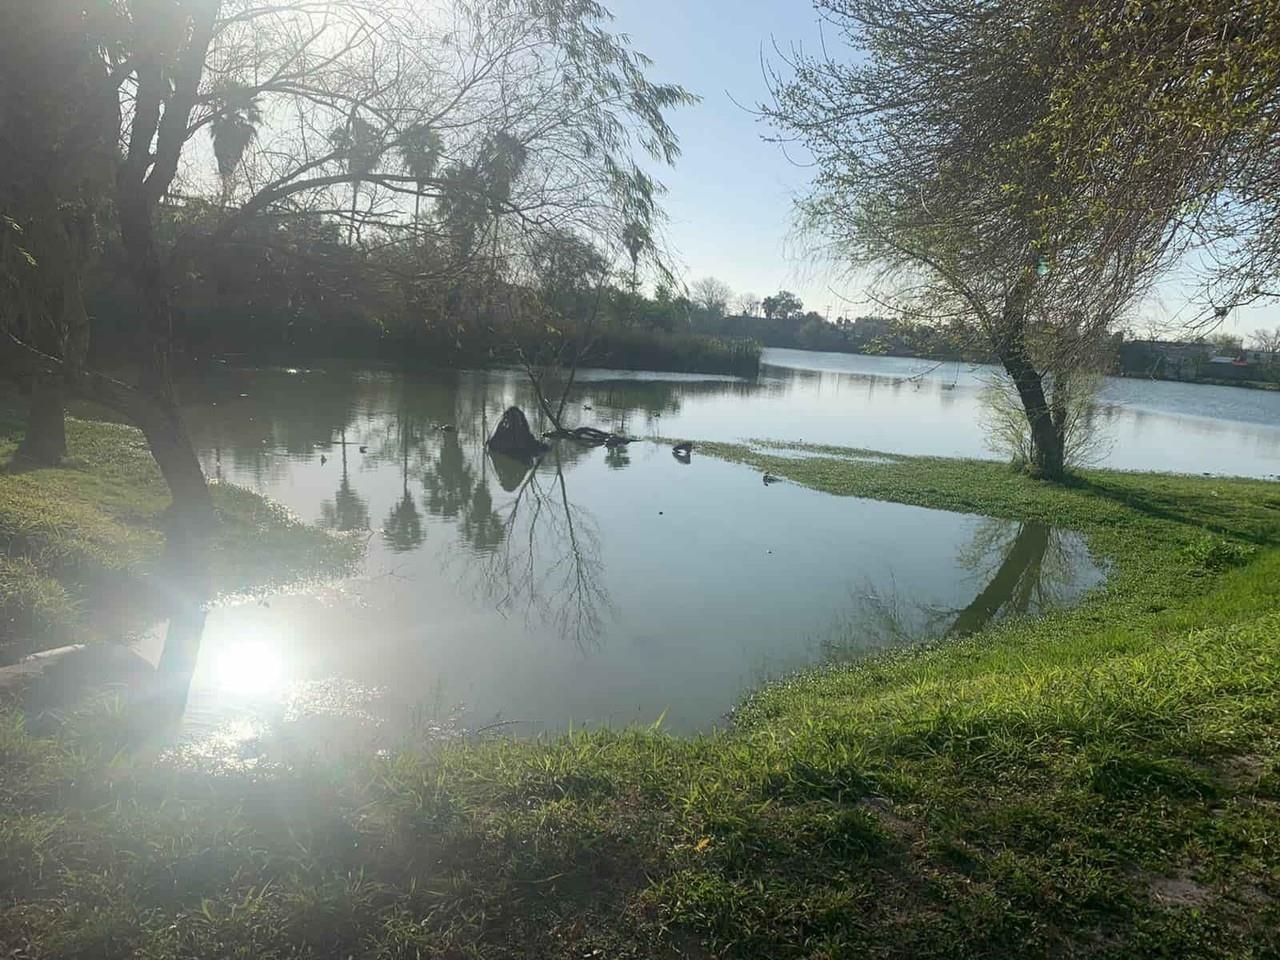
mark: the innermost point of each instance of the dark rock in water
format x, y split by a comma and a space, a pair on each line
513, 437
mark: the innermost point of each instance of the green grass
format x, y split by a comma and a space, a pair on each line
81, 543
1097, 782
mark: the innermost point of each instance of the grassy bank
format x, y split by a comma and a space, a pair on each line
82, 544
1099, 782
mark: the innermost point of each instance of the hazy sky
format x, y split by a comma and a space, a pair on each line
730, 194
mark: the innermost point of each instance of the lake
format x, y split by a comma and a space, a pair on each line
622, 586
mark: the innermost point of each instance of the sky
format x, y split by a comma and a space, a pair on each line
731, 194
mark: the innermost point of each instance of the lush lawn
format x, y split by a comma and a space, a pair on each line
1097, 782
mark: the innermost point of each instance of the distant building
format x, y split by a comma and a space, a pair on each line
1164, 358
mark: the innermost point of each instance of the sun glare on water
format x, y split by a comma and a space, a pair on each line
252, 667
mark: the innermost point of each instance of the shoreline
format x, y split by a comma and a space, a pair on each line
1101, 779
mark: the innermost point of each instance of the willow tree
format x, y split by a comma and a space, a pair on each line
272, 82
935, 179
1176, 107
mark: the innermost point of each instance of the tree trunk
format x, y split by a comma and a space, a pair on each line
153, 406
1048, 456
190, 519
45, 442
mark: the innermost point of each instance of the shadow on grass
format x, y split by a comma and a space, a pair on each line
1257, 523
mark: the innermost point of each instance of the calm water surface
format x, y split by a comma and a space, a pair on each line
614, 587
919, 407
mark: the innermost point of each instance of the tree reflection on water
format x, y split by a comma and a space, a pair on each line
547, 561
346, 511
1023, 568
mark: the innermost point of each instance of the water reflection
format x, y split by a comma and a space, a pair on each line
596, 586
548, 562
1030, 570
346, 511
402, 530
1012, 569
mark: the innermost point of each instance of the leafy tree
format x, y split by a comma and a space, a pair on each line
359, 147
232, 130
420, 148
1169, 110
783, 305
933, 172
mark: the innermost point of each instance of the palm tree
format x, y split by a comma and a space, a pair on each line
503, 161
420, 149
635, 237
232, 130
357, 143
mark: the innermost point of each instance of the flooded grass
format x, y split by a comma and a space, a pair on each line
83, 541
1100, 781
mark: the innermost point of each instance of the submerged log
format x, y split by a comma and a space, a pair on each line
513, 437
590, 436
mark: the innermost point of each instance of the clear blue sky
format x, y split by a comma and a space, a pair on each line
730, 193
730, 199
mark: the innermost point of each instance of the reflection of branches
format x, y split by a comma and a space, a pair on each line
346, 511
402, 529
1023, 568
616, 458
549, 561
1027, 567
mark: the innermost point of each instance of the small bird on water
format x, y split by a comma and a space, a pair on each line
323, 459
770, 478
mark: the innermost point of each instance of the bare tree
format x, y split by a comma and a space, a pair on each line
928, 173
711, 295
1268, 341
747, 304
